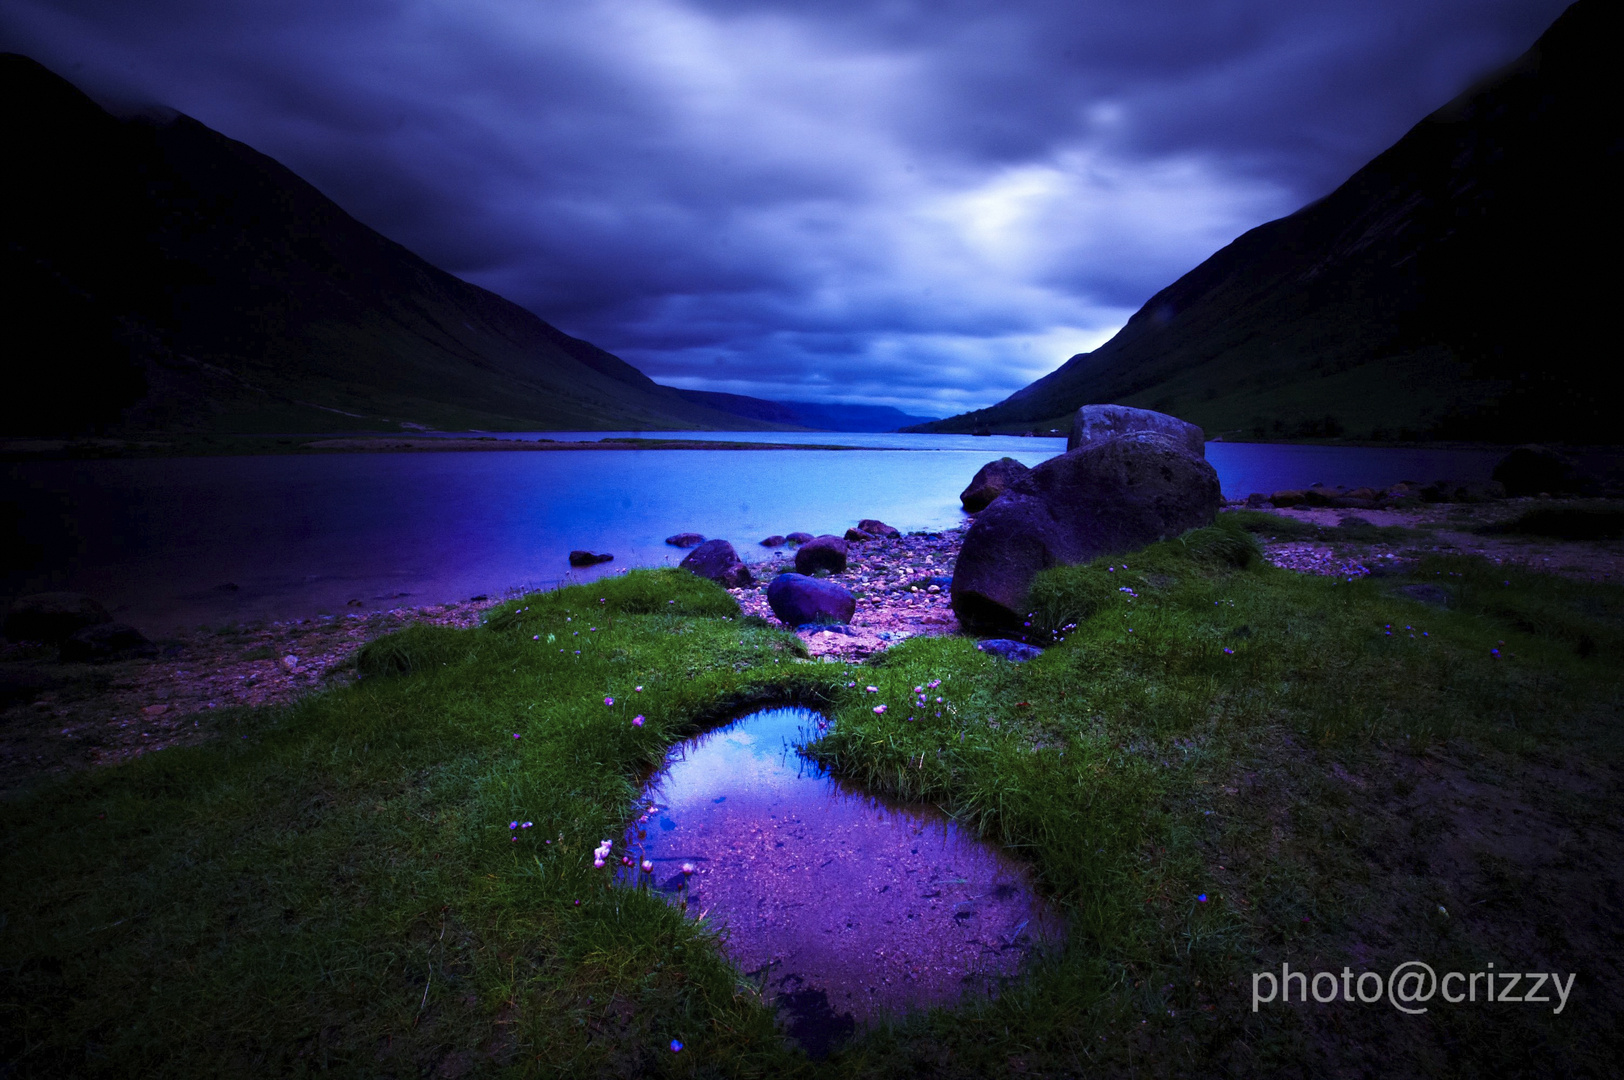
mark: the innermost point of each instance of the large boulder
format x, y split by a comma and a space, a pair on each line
716, 559
821, 553
1107, 497
1094, 423
52, 617
107, 641
1532, 470
989, 482
797, 599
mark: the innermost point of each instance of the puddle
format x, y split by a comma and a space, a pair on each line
839, 905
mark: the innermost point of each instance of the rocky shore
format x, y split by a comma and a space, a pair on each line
57, 716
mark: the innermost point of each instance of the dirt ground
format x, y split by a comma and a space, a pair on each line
70, 716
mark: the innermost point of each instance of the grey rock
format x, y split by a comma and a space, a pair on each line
52, 617
1431, 595
879, 528
821, 553
797, 599
1107, 497
1463, 491
1094, 423
989, 482
1016, 652
588, 558
1531, 470
857, 536
827, 628
685, 540
107, 641
716, 559
774, 541
798, 537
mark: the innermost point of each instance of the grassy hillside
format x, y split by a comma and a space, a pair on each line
1455, 287
161, 276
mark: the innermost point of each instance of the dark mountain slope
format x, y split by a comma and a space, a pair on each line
1462, 285
162, 276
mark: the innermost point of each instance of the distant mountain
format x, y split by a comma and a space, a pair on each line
1464, 284
808, 414
160, 276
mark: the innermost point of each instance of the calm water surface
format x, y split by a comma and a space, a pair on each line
158, 540
839, 905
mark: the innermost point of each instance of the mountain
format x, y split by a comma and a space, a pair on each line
1462, 285
160, 276
807, 414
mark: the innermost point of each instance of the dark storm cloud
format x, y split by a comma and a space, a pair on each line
927, 204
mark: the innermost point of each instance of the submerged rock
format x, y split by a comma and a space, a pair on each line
797, 599
588, 558
685, 540
821, 553
773, 541
716, 559
798, 537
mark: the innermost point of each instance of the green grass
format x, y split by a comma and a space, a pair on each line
1349, 529
335, 886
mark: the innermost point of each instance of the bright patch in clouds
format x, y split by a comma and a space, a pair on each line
921, 205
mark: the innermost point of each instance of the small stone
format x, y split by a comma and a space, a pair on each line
1015, 652
716, 560
821, 553
685, 540
107, 641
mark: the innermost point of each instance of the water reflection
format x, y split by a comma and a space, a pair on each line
840, 905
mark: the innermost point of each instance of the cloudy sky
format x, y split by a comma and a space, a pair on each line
922, 203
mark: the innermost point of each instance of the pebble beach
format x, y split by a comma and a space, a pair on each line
130, 707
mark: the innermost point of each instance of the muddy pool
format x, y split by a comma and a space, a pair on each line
840, 906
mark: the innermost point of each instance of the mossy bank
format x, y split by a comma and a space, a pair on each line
1217, 767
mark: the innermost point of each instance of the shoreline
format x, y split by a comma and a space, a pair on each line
88, 715
158, 444
17, 450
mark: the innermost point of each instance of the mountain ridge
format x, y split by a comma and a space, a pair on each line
1442, 292
818, 416
164, 277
